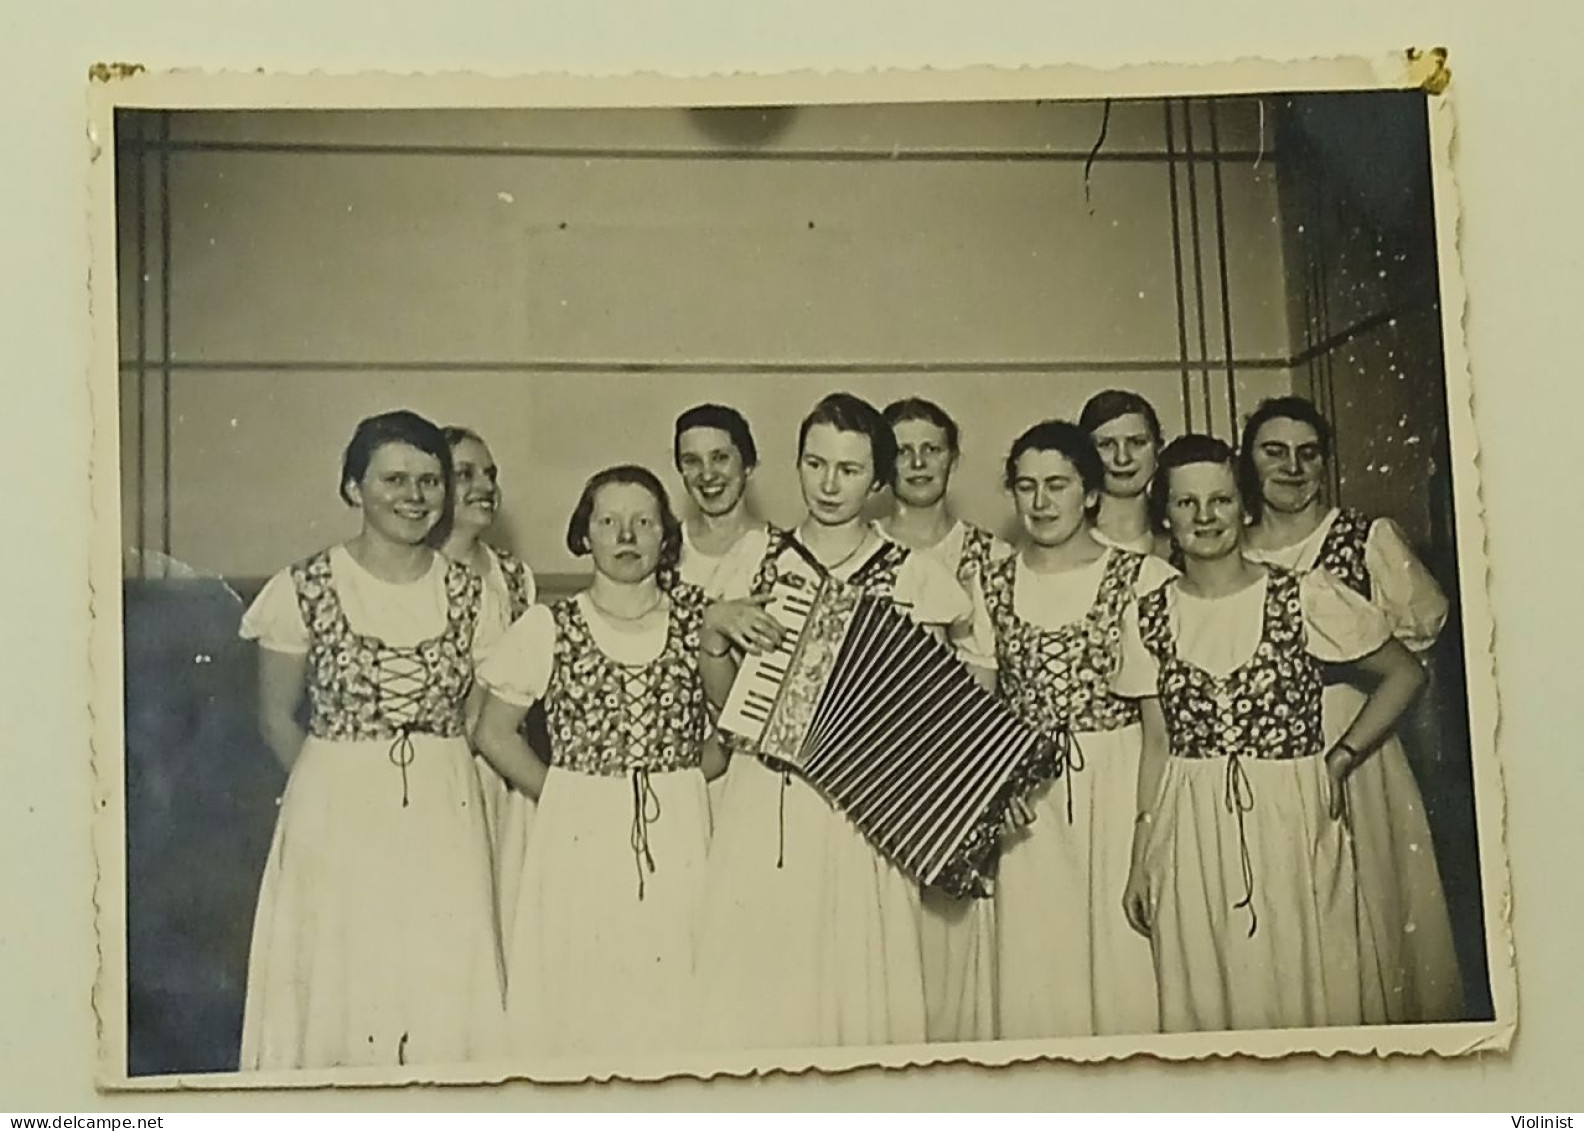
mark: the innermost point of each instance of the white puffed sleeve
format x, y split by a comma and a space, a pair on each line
1415, 607
976, 639
1138, 675
1154, 573
275, 618
932, 594
518, 667
1340, 625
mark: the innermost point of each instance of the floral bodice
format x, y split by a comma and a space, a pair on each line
1062, 677
360, 687
1342, 552
515, 573
976, 549
876, 577
1267, 708
609, 718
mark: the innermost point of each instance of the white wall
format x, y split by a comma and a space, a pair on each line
498, 269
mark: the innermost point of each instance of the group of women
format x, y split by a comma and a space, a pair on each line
1234, 840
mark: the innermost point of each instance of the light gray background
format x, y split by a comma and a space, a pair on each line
1518, 168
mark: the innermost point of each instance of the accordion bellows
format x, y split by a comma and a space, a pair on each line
890, 726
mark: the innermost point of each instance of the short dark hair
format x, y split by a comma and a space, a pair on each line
917, 408
1064, 437
721, 418
1112, 404
1276, 408
577, 533
399, 427
848, 413
1190, 448
458, 433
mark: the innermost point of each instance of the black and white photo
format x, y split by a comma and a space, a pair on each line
677, 586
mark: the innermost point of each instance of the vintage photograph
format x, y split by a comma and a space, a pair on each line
628, 590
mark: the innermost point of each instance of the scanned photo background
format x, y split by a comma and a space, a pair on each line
567, 281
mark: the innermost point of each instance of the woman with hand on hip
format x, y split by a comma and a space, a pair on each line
1242, 872
1286, 446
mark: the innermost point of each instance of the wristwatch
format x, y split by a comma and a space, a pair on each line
1350, 752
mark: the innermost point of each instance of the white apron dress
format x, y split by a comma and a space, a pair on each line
601, 961
809, 937
1252, 889
709, 572
375, 941
957, 936
1405, 904
1068, 964
509, 591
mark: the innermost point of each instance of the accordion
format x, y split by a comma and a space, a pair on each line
889, 725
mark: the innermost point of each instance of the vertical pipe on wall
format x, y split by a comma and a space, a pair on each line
1177, 266
1221, 259
1198, 259
165, 334
1323, 254
139, 196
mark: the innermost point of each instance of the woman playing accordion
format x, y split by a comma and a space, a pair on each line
809, 935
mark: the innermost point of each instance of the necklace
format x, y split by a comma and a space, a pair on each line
863, 540
635, 616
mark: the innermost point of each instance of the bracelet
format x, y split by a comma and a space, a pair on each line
721, 655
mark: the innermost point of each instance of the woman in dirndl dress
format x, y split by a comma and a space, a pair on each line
1126, 430
715, 454
1242, 872
1068, 964
1286, 445
810, 937
601, 961
509, 590
956, 936
374, 942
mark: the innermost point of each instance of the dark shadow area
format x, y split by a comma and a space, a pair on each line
201, 793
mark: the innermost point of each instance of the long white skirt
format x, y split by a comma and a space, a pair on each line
1304, 966
600, 971
1405, 907
809, 937
957, 947
508, 816
375, 940
1068, 964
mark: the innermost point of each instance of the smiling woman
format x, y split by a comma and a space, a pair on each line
381, 828
1242, 873
1067, 965
509, 589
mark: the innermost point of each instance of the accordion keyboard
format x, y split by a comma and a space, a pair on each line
759, 677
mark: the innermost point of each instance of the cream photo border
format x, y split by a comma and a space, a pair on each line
114, 87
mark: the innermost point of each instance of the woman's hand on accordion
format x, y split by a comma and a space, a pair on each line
743, 624
1019, 815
